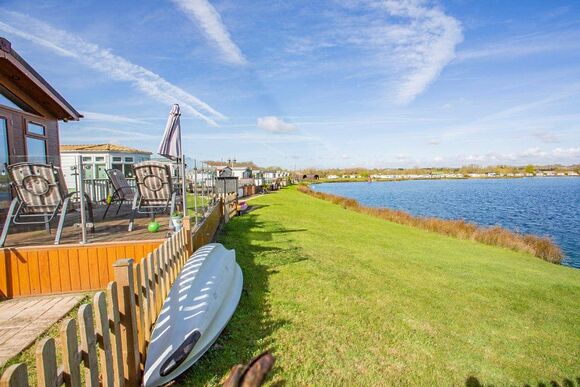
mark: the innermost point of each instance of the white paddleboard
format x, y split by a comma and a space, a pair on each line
200, 304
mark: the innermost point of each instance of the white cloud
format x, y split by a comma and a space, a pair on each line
113, 118
424, 46
524, 45
434, 141
547, 137
210, 21
275, 124
411, 41
531, 155
104, 61
567, 152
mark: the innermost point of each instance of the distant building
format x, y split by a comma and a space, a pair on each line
97, 158
242, 172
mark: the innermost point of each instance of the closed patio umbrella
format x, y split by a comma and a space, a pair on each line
170, 147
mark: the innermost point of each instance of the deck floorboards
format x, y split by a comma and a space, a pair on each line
111, 229
22, 320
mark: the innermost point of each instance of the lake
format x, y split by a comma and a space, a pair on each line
547, 206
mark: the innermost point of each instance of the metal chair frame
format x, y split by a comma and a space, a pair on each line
118, 195
139, 208
18, 207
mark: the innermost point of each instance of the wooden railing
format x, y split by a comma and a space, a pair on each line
230, 205
114, 329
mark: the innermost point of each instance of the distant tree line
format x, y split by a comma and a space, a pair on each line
467, 169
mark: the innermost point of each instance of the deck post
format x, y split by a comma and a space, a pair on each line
124, 276
187, 230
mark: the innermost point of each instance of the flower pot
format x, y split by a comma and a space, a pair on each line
177, 222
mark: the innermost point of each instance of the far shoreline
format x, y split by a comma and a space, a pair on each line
363, 180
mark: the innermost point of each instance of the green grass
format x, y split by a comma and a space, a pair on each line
202, 203
346, 298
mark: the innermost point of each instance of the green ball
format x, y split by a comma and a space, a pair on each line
153, 226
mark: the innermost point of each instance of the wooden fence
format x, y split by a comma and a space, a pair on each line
230, 206
114, 329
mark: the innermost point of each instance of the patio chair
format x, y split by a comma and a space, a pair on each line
122, 190
155, 191
40, 197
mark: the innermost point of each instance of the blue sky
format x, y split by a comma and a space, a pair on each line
340, 83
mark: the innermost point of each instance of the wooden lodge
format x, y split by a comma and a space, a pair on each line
30, 109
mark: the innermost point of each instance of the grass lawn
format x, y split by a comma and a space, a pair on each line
345, 298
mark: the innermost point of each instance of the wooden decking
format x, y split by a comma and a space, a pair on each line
112, 229
23, 320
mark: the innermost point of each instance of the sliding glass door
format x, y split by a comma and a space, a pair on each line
4, 181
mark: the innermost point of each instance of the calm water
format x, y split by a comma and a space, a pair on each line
540, 206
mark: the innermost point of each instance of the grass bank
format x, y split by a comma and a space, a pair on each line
347, 298
541, 247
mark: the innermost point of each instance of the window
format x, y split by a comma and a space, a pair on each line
101, 170
36, 143
36, 149
87, 159
118, 167
117, 159
37, 129
99, 159
4, 181
128, 159
128, 170
89, 172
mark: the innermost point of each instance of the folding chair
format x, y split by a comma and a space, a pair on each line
155, 191
122, 190
40, 197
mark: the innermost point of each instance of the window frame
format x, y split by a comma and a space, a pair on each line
2, 168
28, 122
35, 136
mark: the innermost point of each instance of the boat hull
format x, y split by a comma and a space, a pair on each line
199, 305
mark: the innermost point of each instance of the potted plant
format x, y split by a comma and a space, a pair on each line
177, 220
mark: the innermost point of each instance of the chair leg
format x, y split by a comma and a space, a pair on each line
63, 211
133, 212
119, 207
106, 210
7, 221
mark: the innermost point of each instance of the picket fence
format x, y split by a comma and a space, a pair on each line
114, 329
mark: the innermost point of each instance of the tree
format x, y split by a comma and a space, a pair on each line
530, 168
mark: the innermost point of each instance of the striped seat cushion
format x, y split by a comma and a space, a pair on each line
154, 183
37, 186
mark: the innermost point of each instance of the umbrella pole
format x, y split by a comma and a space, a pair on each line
195, 189
183, 186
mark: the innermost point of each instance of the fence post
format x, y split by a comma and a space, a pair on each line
88, 345
140, 314
15, 375
115, 333
145, 295
103, 339
70, 353
46, 370
128, 317
187, 230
